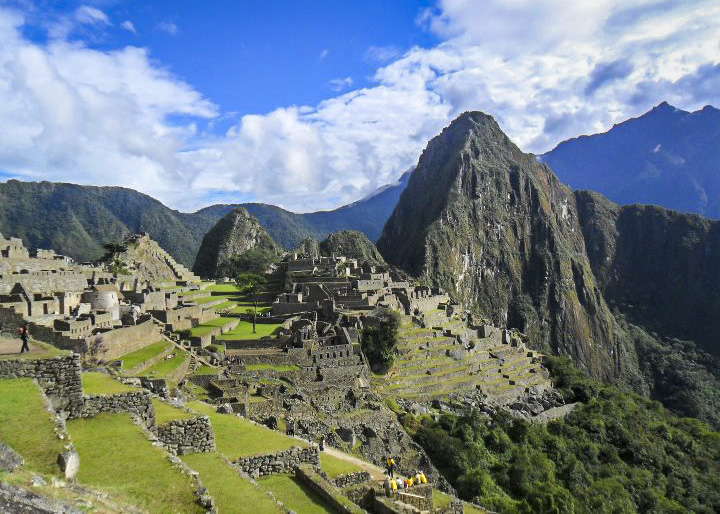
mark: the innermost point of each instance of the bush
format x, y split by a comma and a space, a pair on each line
379, 340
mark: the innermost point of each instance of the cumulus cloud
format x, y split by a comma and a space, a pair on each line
91, 15
547, 70
341, 83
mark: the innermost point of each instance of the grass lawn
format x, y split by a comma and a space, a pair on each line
165, 412
237, 437
225, 306
99, 383
294, 495
223, 288
441, 499
208, 299
271, 367
242, 308
205, 370
166, 366
232, 493
26, 426
244, 330
139, 356
116, 456
209, 326
335, 467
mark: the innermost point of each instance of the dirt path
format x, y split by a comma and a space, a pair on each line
376, 472
11, 348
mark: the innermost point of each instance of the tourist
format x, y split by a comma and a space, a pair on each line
25, 337
391, 466
322, 444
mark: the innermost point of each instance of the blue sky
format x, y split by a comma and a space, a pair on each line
314, 104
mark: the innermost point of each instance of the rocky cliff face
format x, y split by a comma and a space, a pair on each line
500, 233
660, 268
352, 244
234, 234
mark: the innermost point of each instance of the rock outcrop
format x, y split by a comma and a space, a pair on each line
234, 234
352, 244
499, 232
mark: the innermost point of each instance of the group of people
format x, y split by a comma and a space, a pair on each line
392, 485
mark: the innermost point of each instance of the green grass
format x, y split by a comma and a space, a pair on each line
441, 499
294, 495
165, 412
26, 426
208, 299
143, 354
272, 367
242, 308
166, 366
205, 370
244, 330
223, 288
335, 467
225, 306
116, 456
209, 326
232, 493
50, 351
237, 437
100, 383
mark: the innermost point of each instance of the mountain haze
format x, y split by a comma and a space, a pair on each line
666, 157
77, 220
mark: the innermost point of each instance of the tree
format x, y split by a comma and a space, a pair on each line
250, 284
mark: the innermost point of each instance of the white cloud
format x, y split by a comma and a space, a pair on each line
168, 27
341, 83
129, 26
546, 70
323, 55
91, 16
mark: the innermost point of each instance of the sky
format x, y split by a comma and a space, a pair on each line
312, 105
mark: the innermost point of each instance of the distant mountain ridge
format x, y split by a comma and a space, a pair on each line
77, 220
666, 157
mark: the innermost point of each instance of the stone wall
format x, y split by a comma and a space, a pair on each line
136, 402
280, 462
194, 435
359, 477
59, 377
330, 495
44, 281
124, 340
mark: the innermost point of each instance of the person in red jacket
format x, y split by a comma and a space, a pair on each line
25, 336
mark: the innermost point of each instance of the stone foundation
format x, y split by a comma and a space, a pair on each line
194, 435
280, 462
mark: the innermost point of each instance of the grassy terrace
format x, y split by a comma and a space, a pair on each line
294, 495
237, 437
207, 299
223, 288
165, 412
209, 326
117, 457
335, 467
225, 306
244, 330
242, 308
232, 493
26, 426
205, 370
271, 367
166, 366
100, 383
143, 354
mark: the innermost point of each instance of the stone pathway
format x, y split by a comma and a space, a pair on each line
11, 348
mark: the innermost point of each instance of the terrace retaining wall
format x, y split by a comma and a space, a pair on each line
194, 435
280, 462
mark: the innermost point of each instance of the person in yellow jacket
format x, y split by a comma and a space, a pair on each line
423, 478
393, 484
391, 467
